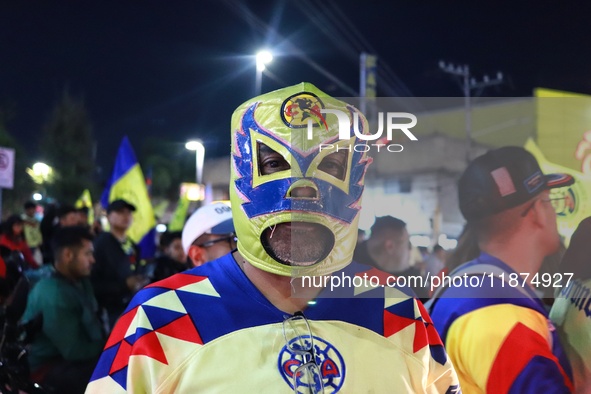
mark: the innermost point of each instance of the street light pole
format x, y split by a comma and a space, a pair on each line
258, 82
199, 149
468, 84
263, 58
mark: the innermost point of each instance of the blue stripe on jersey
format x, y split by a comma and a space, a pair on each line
235, 309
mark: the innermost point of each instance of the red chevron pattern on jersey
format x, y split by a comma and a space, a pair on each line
177, 281
509, 365
411, 312
150, 322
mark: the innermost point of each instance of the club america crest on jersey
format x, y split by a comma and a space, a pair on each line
329, 366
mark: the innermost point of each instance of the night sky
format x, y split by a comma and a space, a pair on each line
179, 68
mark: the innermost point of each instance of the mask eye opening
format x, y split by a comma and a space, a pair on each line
270, 161
335, 164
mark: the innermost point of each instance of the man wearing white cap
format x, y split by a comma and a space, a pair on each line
209, 233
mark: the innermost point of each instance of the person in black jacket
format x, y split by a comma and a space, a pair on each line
114, 275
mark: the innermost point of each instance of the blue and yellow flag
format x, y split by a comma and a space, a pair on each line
160, 208
128, 183
86, 201
177, 222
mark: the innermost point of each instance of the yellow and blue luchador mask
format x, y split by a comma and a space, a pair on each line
297, 125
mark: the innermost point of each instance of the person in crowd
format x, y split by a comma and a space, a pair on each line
253, 313
494, 326
64, 215
64, 352
48, 223
466, 250
97, 226
436, 261
83, 213
114, 278
424, 252
388, 249
13, 240
209, 233
68, 216
571, 312
32, 230
172, 259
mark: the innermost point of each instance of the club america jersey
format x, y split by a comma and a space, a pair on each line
498, 333
210, 330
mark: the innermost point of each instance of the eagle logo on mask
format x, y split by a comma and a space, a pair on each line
299, 109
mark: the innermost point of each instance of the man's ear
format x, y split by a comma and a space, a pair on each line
540, 216
197, 255
67, 254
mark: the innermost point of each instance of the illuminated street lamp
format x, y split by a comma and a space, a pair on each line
263, 58
41, 173
199, 149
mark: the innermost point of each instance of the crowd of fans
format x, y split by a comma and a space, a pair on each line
103, 292
82, 279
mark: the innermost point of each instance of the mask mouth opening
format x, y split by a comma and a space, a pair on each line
298, 244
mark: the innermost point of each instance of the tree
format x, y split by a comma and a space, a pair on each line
67, 145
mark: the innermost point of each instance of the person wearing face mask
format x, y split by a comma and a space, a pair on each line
251, 321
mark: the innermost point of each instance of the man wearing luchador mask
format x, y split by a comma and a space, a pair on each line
257, 319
